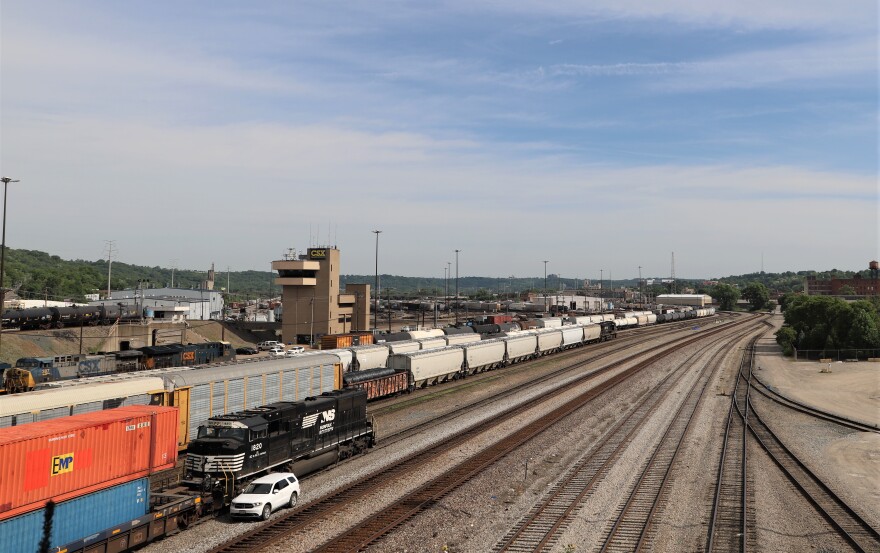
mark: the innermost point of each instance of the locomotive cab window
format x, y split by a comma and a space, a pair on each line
258, 433
275, 428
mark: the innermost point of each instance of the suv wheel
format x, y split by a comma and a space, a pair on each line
267, 512
293, 499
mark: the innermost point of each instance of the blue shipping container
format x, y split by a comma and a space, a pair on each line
77, 518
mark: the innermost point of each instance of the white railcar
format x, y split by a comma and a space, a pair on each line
430, 366
520, 346
549, 340
592, 333
572, 336
457, 339
549, 322
421, 334
404, 346
431, 343
484, 355
369, 357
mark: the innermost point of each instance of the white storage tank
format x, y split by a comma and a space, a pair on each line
484, 355
369, 357
430, 366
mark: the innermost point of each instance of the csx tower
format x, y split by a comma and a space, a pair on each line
312, 303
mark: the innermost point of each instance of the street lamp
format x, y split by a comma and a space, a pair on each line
376, 310
449, 272
545, 284
6, 181
456, 286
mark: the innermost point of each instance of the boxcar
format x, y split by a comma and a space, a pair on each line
380, 382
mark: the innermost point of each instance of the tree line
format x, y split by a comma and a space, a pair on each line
827, 323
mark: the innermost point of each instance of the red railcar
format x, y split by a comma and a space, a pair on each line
379, 382
68, 457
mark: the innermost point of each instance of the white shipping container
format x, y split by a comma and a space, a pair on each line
484, 355
429, 366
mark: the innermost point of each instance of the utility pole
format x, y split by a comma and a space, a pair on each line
110, 252
173, 266
546, 261
456, 286
448, 272
602, 288
641, 297
376, 296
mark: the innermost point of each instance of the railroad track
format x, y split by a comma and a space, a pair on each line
375, 527
848, 524
731, 520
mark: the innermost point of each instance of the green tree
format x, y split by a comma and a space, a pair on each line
757, 295
726, 296
846, 290
786, 337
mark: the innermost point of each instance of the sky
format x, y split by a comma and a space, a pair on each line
600, 136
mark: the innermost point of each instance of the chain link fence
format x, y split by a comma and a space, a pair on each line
836, 354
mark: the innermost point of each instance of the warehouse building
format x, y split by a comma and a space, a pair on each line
856, 286
692, 300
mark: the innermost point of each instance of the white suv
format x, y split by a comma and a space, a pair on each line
269, 344
266, 494
294, 350
277, 351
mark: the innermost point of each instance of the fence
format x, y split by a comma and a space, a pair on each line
836, 354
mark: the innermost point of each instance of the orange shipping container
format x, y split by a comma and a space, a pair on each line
68, 457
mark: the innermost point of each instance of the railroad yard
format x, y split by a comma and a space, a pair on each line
634, 443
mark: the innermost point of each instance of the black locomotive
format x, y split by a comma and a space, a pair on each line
299, 437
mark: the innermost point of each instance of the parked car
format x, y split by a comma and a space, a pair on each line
277, 351
266, 494
294, 350
246, 350
269, 345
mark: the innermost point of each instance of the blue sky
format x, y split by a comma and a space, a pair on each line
597, 135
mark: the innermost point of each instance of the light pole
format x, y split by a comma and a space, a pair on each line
446, 282
546, 261
376, 309
456, 286
6, 181
641, 297
602, 288
449, 272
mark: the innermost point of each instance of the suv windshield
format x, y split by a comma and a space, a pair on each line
258, 489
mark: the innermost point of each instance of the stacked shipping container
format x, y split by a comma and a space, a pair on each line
73, 457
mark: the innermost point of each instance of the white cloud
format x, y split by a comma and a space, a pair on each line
245, 192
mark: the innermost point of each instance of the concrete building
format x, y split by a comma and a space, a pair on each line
693, 300
312, 303
172, 304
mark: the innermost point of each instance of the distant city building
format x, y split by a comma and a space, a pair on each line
860, 285
692, 300
173, 304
